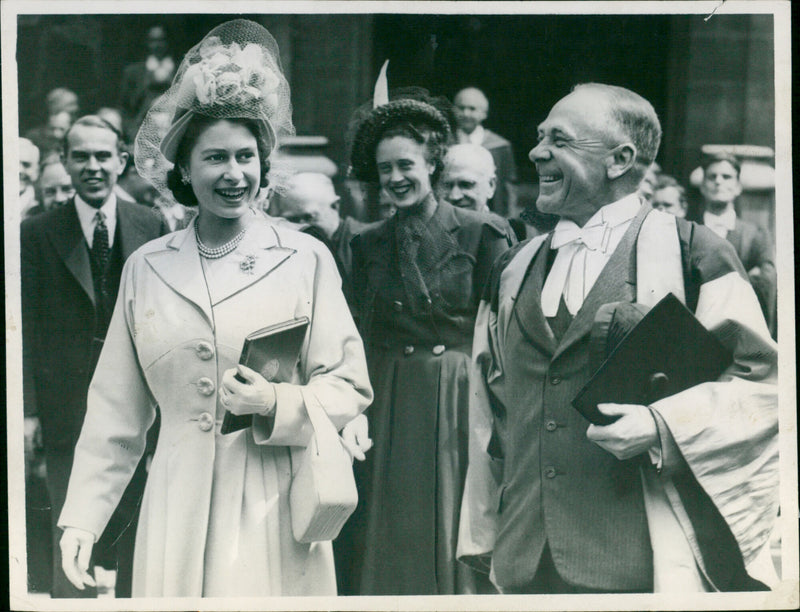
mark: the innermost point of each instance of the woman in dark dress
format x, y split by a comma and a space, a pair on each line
418, 277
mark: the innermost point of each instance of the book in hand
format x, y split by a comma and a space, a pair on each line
668, 351
273, 352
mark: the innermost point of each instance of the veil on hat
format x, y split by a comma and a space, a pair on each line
233, 73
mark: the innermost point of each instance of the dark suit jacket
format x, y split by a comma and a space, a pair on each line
506, 171
58, 313
754, 248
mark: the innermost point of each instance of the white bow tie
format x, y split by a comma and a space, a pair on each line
593, 238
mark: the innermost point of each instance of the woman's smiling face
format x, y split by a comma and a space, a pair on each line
225, 170
403, 171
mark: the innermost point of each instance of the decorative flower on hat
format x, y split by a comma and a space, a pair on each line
229, 75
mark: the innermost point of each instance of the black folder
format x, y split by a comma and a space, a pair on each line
668, 351
273, 352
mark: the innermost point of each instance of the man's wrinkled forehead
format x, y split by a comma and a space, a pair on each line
583, 113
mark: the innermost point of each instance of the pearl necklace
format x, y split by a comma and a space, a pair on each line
220, 251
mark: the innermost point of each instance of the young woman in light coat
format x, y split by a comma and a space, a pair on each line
215, 518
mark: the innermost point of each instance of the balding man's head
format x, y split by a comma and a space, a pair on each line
62, 99
468, 179
309, 197
28, 164
472, 108
594, 148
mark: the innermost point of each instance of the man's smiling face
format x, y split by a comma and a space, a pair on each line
572, 156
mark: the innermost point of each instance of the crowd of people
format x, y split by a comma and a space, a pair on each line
447, 338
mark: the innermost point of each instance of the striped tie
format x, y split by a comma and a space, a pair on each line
100, 248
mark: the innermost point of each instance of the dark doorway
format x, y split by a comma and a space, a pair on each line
525, 63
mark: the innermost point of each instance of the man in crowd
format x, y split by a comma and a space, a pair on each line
309, 199
669, 196
553, 504
144, 81
62, 108
55, 185
720, 188
28, 173
71, 260
472, 108
468, 177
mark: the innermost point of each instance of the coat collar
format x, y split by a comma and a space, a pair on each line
67, 238
132, 226
179, 265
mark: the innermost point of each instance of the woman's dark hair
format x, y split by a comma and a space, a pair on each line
435, 143
184, 193
413, 119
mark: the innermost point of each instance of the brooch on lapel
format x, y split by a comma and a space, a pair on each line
248, 264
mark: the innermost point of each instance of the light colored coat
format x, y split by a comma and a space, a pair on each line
168, 346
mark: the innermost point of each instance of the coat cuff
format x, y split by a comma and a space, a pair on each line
289, 424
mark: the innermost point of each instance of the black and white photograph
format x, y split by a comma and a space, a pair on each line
399, 305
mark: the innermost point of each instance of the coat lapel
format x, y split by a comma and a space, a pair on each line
131, 229
735, 237
528, 305
262, 249
178, 265
70, 244
616, 283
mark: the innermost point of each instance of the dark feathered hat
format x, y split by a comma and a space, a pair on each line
397, 112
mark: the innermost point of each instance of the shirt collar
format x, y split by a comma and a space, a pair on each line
617, 213
86, 215
476, 137
726, 222
614, 214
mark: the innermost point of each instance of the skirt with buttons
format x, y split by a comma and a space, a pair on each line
402, 539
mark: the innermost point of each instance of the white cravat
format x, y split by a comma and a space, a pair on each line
583, 253
721, 224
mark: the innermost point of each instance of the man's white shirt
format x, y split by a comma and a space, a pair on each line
584, 252
87, 217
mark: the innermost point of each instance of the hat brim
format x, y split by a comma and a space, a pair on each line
172, 139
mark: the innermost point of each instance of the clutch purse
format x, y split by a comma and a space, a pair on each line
323, 493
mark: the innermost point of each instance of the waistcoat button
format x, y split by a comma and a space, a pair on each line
550, 472
408, 350
551, 426
555, 380
397, 305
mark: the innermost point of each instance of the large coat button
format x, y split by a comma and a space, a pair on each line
550, 472
551, 425
205, 386
438, 349
397, 305
205, 422
408, 350
204, 350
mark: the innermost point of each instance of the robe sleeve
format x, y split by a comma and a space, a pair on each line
478, 522
333, 366
120, 410
727, 430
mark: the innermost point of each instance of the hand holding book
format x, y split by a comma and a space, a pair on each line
244, 392
270, 355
